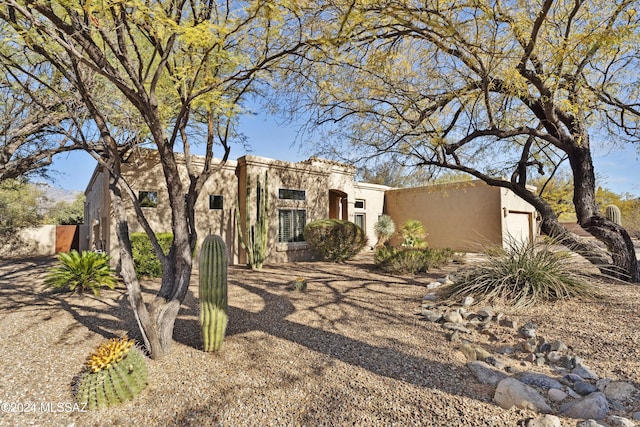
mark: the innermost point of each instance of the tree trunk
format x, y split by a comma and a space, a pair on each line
624, 262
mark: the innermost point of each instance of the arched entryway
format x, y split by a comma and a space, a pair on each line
338, 206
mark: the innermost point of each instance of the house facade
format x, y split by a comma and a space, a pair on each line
460, 216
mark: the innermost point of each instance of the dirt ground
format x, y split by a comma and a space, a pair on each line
351, 350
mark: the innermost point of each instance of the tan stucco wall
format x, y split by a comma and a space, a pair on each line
460, 216
315, 177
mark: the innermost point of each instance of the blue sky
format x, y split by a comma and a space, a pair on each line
617, 170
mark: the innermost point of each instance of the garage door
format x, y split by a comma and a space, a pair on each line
519, 226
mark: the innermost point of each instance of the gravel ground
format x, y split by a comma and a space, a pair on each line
351, 350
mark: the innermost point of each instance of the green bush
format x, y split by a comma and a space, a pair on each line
522, 275
145, 260
414, 234
334, 240
384, 229
81, 272
410, 260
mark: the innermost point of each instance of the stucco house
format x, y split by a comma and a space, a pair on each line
459, 216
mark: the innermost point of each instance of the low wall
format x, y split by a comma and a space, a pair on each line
31, 241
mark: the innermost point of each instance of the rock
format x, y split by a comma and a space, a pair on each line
456, 327
594, 406
567, 362
469, 351
554, 356
486, 312
539, 380
584, 389
573, 394
509, 323
557, 395
544, 347
584, 371
455, 336
453, 317
545, 421
615, 421
505, 350
467, 301
558, 345
482, 354
510, 392
530, 345
636, 416
431, 296
528, 330
486, 374
602, 383
573, 377
432, 315
590, 423
494, 362
619, 390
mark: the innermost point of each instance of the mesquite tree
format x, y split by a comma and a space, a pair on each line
166, 73
501, 90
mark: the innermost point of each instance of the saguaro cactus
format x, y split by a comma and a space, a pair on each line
213, 291
255, 238
612, 212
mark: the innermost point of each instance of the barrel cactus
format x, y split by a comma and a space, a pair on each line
612, 212
114, 373
213, 292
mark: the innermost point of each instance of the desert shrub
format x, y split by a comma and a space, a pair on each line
522, 275
145, 260
81, 272
414, 234
409, 260
384, 229
334, 240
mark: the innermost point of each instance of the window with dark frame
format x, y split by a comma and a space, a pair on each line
359, 204
148, 199
359, 220
289, 194
291, 224
216, 201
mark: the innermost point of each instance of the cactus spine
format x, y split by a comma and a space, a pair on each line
254, 240
115, 373
213, 291
612, 212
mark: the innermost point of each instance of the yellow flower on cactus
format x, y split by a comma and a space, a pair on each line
109, 353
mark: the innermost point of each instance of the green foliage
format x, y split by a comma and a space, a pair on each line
299, 284
410, 260
522, 275
414, 234
115, 373
145, 260
18, 206
334, 240
612, 212
257, 230
65, 213
384, 229
81, 272
213, 291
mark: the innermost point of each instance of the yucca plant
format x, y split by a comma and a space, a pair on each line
522, 275
81, 272
384, 229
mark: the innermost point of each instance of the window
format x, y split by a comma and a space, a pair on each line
291, 223
359, 220
148, 199
215, 201
285, 193
359, 204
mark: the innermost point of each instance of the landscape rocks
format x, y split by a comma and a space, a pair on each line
510, 392
568, 387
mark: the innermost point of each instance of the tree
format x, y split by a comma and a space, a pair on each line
176, 73
39, 116
18, 206
498, 90
68, 213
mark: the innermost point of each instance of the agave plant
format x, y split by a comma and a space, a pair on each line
80, 272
